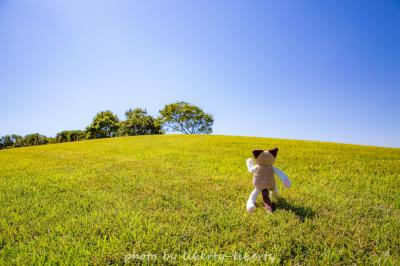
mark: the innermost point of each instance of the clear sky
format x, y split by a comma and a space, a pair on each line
319, 70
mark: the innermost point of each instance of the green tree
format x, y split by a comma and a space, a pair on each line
62, 136
104, 125
51, 140
138, 122
70, 135
35, 139
6, 141
186, 118
17, 140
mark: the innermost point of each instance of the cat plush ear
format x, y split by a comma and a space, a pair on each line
274, 152
256, 153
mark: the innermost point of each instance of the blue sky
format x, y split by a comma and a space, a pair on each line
318, 70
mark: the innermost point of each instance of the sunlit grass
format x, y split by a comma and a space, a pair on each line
98, 201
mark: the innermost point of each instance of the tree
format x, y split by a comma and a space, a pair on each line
6, 141
70, 135
51, 140
186, 118
104, 125
35, 139
62, 136
17, 140
138, 122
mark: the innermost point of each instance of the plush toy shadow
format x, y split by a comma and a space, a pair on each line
303, 212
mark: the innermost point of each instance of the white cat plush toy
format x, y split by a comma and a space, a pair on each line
264, 178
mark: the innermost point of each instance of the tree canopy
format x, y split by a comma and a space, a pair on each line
138, 122
186, 118
104, 125
35, 139
70, 135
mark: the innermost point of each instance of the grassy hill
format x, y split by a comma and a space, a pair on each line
99, 201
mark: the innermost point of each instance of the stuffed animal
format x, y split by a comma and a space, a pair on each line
264, 178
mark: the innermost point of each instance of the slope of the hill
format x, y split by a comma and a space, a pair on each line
142, 198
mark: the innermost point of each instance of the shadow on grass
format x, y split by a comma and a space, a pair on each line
303, 212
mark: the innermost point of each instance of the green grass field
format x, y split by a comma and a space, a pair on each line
134, 199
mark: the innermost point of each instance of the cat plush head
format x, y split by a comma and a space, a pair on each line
265, 158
